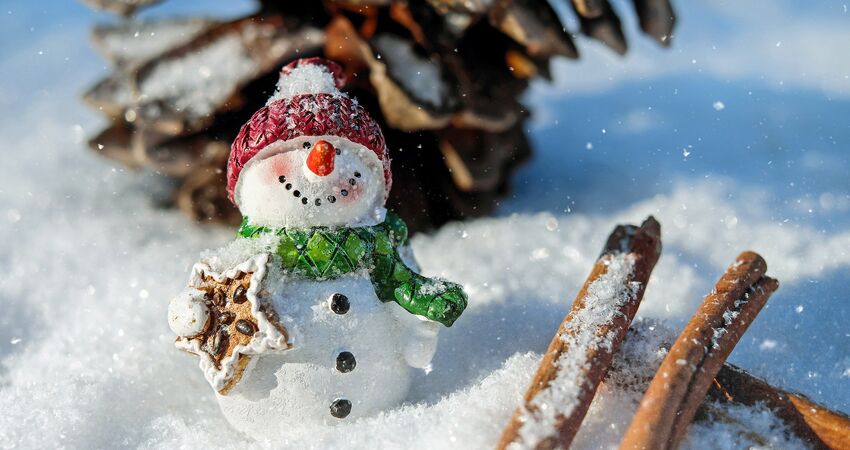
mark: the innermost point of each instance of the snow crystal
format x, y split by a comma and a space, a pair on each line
305, 79
729, 315
239, 250
219, 67
634, 365
137, 41
767, 344
419, 75
738, 426
433, 286
604, 297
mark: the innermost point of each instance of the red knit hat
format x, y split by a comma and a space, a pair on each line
307, 103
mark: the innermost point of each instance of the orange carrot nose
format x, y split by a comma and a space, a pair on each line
321, 158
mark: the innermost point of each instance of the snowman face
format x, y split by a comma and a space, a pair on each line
313, 181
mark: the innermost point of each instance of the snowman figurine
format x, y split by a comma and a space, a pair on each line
316, 312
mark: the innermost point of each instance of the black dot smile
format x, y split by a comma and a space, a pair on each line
318, 202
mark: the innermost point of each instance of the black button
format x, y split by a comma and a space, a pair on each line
345, 362
340, 304
340, 408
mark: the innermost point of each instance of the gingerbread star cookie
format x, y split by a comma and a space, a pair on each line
222, 319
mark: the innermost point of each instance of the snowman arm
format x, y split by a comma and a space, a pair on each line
187, 314
421, 334
438, 300
419, 337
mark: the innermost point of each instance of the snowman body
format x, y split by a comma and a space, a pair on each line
316, 314
346, 362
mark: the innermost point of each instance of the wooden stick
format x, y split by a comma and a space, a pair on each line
686, 374
814, 424
581, 351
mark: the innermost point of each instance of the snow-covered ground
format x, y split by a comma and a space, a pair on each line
734, 139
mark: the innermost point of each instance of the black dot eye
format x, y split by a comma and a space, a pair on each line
331, 198
338, 151
357, 174
306, 144
318, 202
282, 178
344, 193
351, 181
304, 201
296, 193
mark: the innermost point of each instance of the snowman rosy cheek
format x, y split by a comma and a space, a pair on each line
276, 170
349, 193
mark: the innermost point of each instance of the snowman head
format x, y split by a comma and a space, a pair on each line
313, 181
311, 157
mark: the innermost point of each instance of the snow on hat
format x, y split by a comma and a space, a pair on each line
307, 102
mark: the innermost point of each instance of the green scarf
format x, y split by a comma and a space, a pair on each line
322, 253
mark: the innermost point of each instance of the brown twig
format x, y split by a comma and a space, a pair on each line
584, 337
686, 374
814, 424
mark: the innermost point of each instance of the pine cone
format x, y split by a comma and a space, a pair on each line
442, 77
